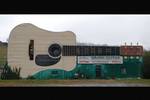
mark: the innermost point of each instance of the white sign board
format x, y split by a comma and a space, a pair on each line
100, 59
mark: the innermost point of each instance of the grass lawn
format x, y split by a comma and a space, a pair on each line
71, 82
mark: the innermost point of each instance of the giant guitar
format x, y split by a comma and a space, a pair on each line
35, 49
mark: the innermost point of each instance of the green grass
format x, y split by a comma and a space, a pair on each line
55, 81
51, 82
70, 82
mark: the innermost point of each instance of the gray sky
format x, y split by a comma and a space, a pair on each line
94, 28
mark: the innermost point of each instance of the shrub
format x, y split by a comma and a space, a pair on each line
8, 73
30, 77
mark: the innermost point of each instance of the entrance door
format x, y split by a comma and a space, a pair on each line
98, 71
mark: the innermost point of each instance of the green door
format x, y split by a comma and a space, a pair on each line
98, 71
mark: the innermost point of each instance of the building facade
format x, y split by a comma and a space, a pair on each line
55, 55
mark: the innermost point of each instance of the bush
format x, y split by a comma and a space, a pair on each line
8, 73
146, 67
30, 77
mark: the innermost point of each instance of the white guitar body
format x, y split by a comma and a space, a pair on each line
18, 48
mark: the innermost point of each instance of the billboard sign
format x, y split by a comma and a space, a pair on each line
100, 60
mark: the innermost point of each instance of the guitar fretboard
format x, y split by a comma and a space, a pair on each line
90, 50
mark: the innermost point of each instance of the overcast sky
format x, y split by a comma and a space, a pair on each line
98, 29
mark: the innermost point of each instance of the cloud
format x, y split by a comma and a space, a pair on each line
99, 29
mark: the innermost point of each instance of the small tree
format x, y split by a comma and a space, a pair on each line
146, 67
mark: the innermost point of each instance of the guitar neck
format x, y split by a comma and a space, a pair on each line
90, 50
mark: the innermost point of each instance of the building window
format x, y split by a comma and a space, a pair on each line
92, 50
86, 50
31, 50
99, 51
78, 51
108, 51
123, 70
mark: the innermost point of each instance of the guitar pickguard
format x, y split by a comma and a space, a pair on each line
46, 60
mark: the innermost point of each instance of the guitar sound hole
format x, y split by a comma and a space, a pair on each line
54, 50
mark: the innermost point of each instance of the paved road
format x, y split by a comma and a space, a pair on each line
82, 85
105, 85
108, 85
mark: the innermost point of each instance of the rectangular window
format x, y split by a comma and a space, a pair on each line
108, 51
86, 50
104, 50
99, 51
123, 70
31, 50
92, 50
81, 51
75, 50
78, 51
